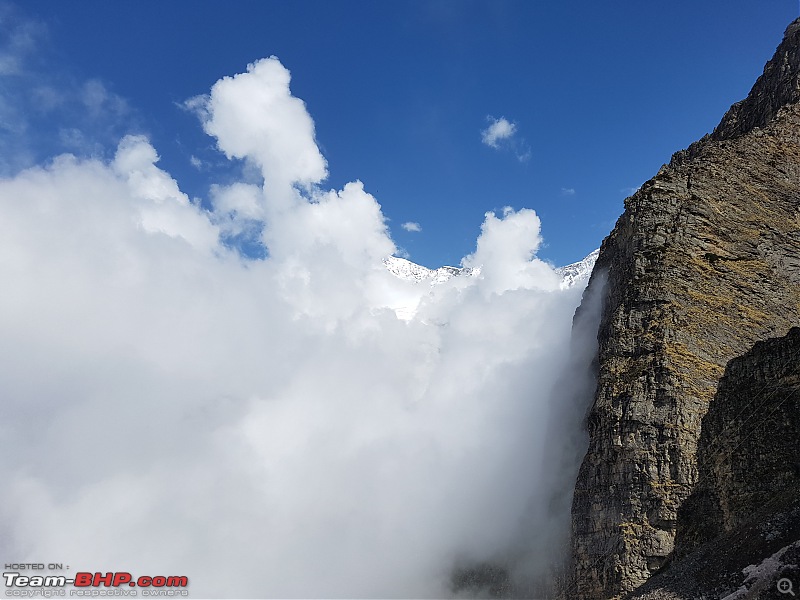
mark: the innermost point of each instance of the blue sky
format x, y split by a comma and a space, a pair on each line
597, 96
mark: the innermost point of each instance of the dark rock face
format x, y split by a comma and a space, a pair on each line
745, 509
704, 262
748, 455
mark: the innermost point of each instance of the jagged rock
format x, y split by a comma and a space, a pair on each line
704, 262
776, 88
739, 531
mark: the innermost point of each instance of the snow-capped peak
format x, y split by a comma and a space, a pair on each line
577, 272
571, 275
409, 271
425, 281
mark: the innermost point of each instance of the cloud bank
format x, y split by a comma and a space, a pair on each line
266, 427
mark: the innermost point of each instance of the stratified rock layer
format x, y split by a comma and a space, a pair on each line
704, 262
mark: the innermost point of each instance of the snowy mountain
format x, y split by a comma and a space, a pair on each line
574, 274
409, 271
578, 272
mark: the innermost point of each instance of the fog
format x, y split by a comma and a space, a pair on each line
269, 427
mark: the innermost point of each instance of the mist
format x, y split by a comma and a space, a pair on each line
269, 427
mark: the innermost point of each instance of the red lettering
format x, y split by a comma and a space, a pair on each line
106, 579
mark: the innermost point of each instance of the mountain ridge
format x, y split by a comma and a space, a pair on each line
402, 268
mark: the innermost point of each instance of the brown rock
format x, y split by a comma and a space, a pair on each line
704, 262
739, 531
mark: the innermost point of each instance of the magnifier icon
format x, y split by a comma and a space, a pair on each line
785, 586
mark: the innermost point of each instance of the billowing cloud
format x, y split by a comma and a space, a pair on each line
506, 252
253, 115
498, 130
268, 427
411, 226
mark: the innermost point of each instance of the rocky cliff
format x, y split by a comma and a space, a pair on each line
704, 262
748, 455
738, 533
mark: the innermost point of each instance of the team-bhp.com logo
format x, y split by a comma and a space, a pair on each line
89, 584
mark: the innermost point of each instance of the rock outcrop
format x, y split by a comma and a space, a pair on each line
739, 531
748, 455
703, 263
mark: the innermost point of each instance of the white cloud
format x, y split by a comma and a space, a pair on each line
506, 252
267, 427
411, 226
502, 134
567, 191
254, 116
240, 201
498, 130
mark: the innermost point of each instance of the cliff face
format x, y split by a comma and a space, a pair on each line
704, 262
748, 454
745, 508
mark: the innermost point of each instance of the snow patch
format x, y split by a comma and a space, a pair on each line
763, 575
